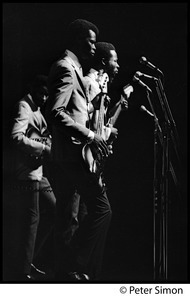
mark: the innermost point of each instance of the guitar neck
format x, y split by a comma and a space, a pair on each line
115, 116
127, 90
101, 117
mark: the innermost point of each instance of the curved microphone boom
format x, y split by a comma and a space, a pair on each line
139, 74
143, 108
141, 83
145, 62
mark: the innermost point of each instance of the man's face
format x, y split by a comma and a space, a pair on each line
40, 95
112, 66
87, 46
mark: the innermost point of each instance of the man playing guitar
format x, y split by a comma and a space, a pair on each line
32, 198
105, 68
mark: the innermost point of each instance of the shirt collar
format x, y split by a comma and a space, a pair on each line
32, 101
93, 74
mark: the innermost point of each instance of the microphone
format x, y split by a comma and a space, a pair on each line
143, 108
145, 62
139, 74
141, 83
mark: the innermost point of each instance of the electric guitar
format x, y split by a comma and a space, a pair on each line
93, 158
32, 160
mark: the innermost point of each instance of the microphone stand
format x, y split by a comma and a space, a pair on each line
169, 133
168, 115
157, 212
162, 167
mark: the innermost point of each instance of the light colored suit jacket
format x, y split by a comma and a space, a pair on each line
28, 118
67, 109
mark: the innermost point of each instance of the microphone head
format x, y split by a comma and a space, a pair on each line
143, 60
142, 108
135, 78
138, 74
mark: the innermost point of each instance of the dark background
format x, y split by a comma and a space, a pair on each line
33, 37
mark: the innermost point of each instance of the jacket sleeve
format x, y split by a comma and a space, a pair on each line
19, 131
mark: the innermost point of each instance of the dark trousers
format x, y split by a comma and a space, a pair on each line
85, 251
45, 232
21, 218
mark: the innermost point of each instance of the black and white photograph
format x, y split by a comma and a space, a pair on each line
95, 145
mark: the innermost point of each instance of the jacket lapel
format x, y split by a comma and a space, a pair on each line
78, 75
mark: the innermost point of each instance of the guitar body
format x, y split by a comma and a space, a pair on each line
93, 159
46, 140
33, 161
